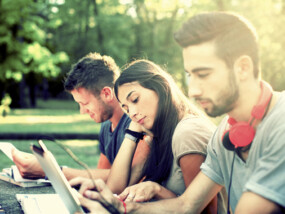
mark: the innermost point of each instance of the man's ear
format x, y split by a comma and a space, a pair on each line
243, 67
107, 94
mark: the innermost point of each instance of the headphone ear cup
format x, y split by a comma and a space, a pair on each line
227, 143
241, 134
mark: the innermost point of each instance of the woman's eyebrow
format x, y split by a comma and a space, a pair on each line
129, 94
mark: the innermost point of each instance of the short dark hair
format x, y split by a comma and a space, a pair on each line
231, 33
92, 72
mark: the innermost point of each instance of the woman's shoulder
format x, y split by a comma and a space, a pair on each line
194, 123
193, 128
192, 135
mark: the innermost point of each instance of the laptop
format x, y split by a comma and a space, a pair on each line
59, 182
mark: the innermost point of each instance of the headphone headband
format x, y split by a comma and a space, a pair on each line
260, 108
242, 133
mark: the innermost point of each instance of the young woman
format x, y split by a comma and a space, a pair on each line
179, 136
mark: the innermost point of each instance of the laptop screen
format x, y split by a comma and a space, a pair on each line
57, 178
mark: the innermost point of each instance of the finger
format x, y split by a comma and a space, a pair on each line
15, 154
75, 181
130, 197
92, 195
100, 185
92, 206
86, 185
139, 198
103, 188
124, 194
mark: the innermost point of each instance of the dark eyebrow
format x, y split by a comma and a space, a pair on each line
198, 69
130, 94
201, 69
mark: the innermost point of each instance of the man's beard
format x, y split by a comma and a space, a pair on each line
107, 112
226, 100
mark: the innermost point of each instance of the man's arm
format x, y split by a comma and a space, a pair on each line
193, 200
29, 167
71, 173
253, 203
103, 162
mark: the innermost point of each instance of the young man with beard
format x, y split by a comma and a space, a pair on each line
90, 82
246, 153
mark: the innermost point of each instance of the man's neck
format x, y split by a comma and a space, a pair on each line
115, 119
248, 98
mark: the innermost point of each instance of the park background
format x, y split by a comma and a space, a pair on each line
41, 39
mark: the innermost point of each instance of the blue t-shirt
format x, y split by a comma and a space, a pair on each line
110, 142
263, 173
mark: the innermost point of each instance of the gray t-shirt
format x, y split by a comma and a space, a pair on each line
264, 170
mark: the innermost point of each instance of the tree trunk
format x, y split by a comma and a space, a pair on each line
99, 30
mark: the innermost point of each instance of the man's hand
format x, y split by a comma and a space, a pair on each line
100, 194
82, 183
92, 206
27, 164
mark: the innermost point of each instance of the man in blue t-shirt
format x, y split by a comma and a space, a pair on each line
90, 82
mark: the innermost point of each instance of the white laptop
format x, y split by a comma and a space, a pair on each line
42, 204
65, 201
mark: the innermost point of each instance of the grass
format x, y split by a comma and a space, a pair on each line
86, 151
53, 116
48, 121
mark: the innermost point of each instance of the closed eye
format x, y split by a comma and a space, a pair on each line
202, 75
202, 72
135, 100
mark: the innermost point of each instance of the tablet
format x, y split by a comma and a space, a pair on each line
57, 178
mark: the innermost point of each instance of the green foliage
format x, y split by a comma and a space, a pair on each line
4, 107
23, 41
37, 36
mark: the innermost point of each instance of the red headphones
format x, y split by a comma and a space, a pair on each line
241, 134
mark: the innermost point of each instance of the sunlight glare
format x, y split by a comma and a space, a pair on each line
80, 143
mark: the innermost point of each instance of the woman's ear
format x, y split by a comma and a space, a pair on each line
243, 67
107, 94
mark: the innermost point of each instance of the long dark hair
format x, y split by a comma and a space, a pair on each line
173, 105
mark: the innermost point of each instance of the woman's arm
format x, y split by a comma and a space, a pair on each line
121, 172
190, 166
121, 169
139, 159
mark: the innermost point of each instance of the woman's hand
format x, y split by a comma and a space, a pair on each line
140, 192
136, 127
